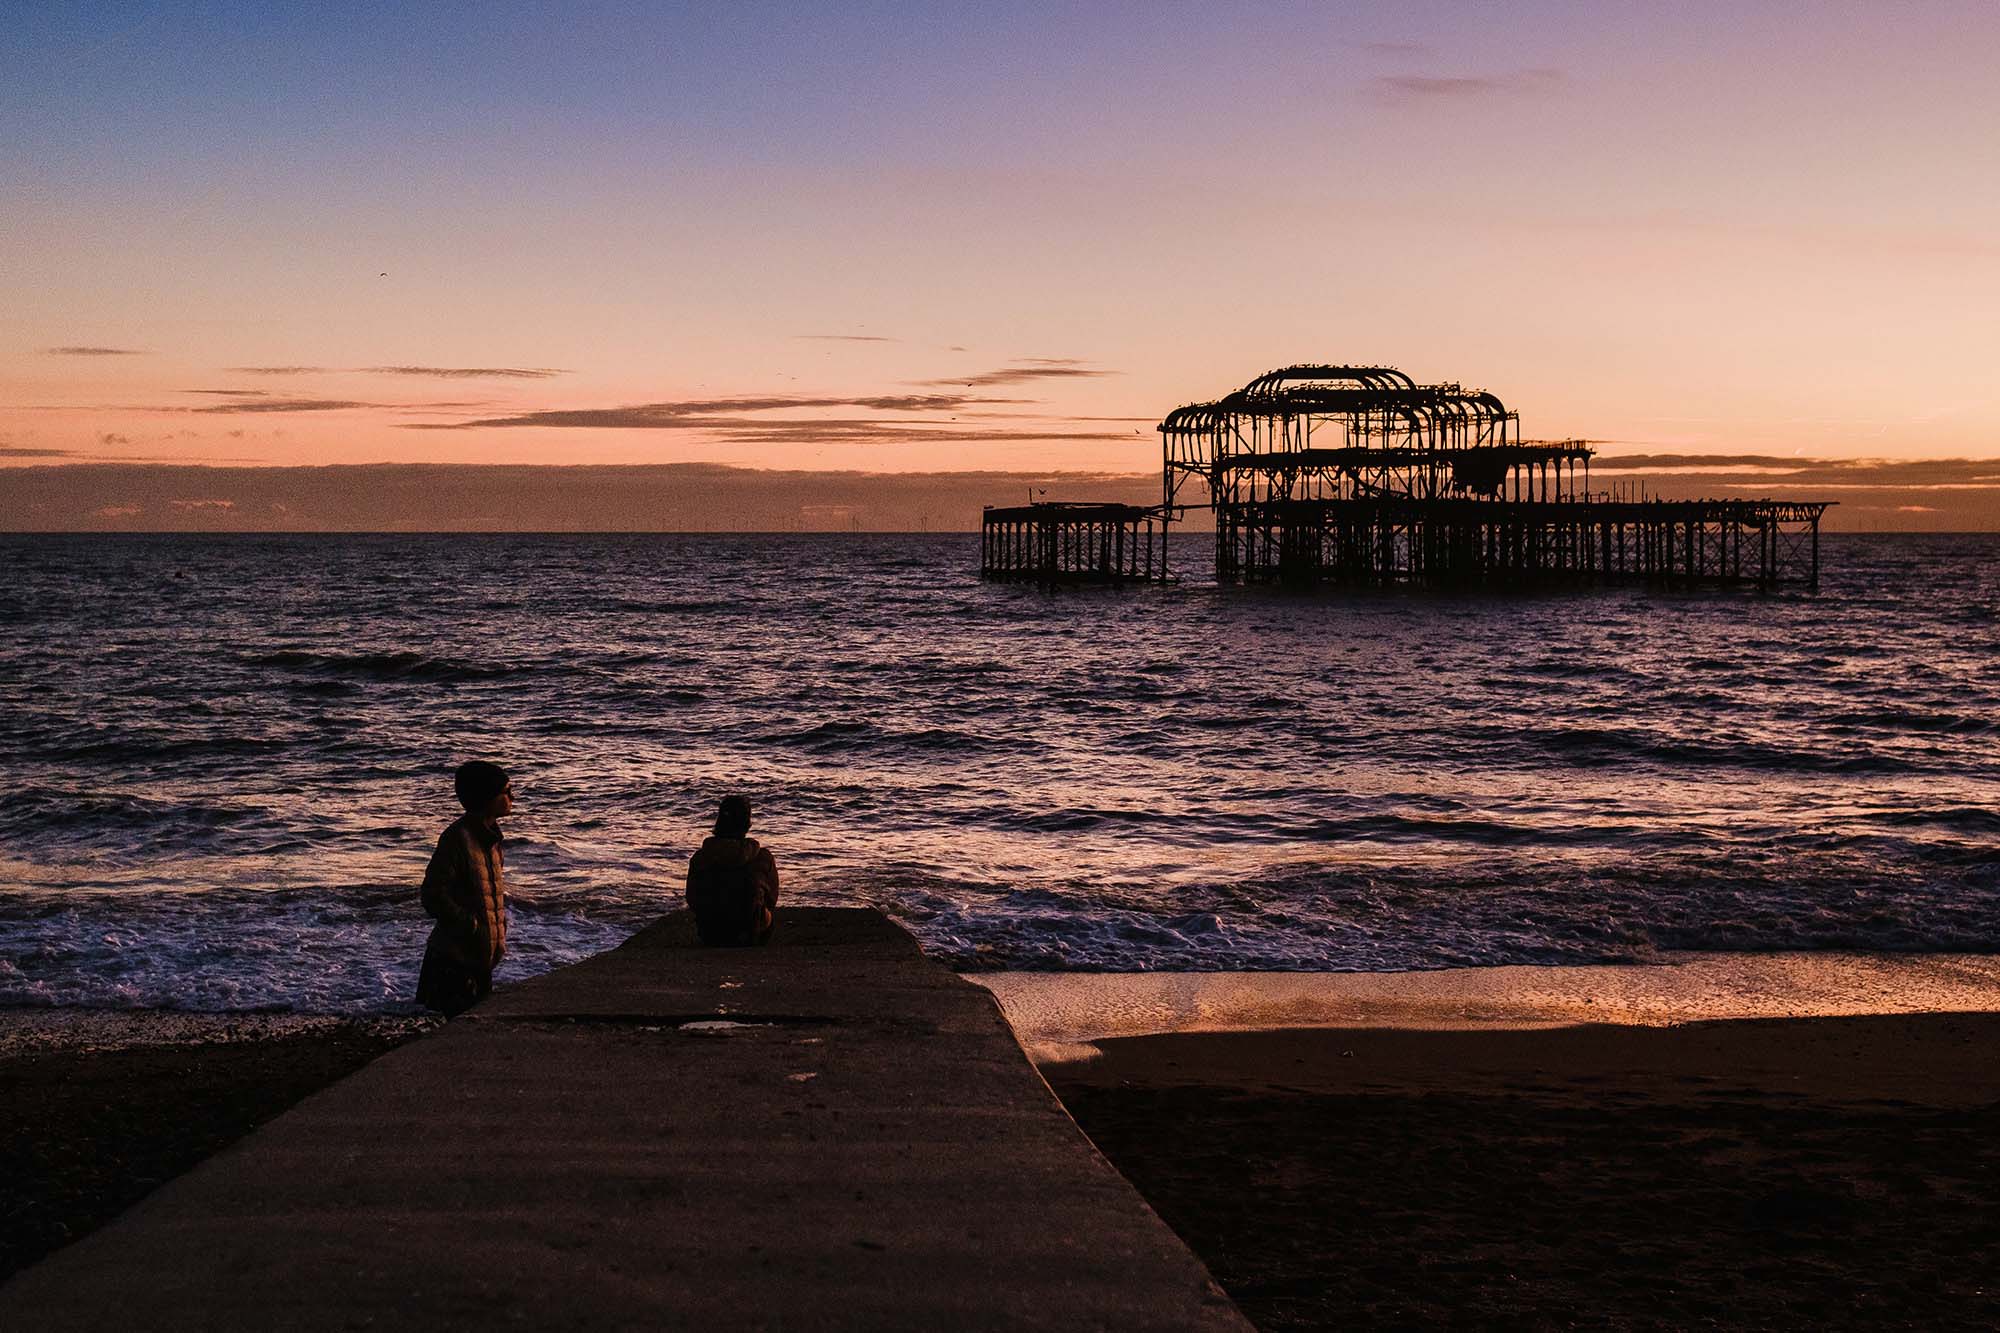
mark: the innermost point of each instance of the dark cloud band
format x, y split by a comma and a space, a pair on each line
1774, 469
1460, 88
283, 405
469, 372
430, 372
719, 413
1027, 371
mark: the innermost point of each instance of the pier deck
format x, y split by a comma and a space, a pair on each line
1459, 543
1055, 543
869, 1149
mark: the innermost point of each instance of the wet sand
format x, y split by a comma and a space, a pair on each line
1751, 1173
99, 1108
1057, 1014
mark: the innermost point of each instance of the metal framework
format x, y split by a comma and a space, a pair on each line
1485, 543
1057, 543
1358, 474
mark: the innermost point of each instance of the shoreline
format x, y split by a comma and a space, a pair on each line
1404, 1148
1059, 1016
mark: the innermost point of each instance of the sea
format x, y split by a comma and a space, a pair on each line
224, 760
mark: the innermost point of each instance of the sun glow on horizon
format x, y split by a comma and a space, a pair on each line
789, 240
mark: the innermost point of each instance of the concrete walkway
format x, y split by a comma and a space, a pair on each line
602, 1147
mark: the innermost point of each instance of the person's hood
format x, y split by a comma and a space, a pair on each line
728, 851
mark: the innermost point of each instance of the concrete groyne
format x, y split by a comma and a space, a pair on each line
832, 1132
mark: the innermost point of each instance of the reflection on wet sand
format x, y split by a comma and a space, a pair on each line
1057, 1015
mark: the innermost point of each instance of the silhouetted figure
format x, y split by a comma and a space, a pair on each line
732, 882
465, 892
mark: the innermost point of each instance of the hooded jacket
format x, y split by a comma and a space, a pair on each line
733, 854
464, 888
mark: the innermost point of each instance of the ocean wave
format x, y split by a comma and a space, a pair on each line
302, 950
402, 665
1336, 918
39, 814
1902, 720
1978, 820
138, 752
839, 738
1605, 746
352, 948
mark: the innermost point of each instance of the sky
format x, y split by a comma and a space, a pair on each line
1007, 238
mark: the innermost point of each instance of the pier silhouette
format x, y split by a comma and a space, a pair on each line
1359, 475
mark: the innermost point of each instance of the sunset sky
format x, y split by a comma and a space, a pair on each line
873, 237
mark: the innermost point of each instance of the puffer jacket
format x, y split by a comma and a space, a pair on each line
465, 889
730, 854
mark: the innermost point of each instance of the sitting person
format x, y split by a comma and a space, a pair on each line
732, 882
466, 892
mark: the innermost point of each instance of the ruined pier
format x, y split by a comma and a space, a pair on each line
1318, 474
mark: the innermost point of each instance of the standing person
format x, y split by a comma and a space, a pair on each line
732, 882
465, 892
